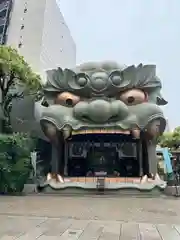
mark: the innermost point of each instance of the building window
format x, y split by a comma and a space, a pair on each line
3, 13
1, 29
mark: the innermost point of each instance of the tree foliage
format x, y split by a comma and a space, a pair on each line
13, 67
170, 139
15, 162
16, 78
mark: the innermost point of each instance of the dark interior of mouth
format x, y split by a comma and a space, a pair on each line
113, 154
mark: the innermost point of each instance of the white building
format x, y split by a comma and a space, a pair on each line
168, 129
38, 30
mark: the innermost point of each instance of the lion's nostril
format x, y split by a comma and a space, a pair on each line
87, 118
119, 110
96, 111
84, 118
113, 118
100, 111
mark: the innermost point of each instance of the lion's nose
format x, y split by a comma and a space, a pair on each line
99, 111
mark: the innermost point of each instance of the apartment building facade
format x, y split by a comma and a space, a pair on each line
5, 12
168, 129
39, 32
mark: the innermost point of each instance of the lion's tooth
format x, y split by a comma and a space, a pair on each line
136, 133
49, 177
67, 132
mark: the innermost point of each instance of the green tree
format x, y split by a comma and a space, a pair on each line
15, 161
176, 137
16, 79
166, 140
170, 139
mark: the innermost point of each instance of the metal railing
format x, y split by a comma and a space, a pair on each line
4, 5
4, 21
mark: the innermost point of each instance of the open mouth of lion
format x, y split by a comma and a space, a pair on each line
99, 144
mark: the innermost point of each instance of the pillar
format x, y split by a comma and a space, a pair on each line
152, 158
139, 156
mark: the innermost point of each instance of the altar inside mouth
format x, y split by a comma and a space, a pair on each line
113, 152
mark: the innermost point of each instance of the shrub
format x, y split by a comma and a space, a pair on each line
15, 162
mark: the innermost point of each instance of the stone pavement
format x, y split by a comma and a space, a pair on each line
86, 218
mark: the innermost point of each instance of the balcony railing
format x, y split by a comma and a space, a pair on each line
2, 21
5, 9
4, 5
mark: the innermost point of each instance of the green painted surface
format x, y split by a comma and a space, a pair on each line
100, 87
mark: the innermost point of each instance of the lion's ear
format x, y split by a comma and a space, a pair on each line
161, 101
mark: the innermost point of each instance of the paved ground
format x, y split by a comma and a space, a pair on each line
86, 218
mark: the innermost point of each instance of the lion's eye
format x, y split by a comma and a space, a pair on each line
67, 99
133, 97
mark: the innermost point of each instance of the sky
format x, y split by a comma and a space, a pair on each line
131, 32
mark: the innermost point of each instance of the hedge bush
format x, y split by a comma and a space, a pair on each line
15, 162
